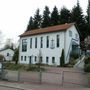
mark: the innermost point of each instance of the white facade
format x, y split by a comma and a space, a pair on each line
7, 53
52, 54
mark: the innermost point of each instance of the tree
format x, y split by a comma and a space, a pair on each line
65, 16
88, 20
54, 16
78, 17
16, 55
30, 24
39, 59
62, 62
46, 17
9, 44
37, 20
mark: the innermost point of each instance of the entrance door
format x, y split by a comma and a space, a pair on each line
30, 60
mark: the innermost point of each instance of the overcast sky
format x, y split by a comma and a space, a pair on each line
15, 14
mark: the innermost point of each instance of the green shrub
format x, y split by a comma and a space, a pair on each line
73, 55
62, 62
72, 61
87, 68
34, 68
87, 60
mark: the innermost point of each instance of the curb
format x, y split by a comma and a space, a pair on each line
9, 86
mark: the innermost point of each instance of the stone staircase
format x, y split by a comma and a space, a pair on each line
80, 62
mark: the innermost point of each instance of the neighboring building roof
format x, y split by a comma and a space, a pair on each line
47, 29
5, 49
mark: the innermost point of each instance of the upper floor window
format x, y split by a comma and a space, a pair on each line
57, 41
30, 42
36, 42
41, 42
70, 33
47, 41
24, 45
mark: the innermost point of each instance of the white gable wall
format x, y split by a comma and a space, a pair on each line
68, 41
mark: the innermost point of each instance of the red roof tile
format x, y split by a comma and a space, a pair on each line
47, 29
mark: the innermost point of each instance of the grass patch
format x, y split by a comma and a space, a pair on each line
12, 66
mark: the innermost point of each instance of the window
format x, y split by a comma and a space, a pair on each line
30, 42
53, 59
40, 59
47, 58
24, 45
30, 59
7, 54
21, 58
76, 36
35, 42
70, 33
47, 41
24, 58
41, 42
57, 41
35, 58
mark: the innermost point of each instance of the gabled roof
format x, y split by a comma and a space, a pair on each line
5, 49
47, 29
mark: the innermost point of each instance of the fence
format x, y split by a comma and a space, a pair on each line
62, 78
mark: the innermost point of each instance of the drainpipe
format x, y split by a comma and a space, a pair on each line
65, 46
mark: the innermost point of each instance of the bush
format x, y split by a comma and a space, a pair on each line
87, 60
73, 55
87, 65
34, 68
72, 61
62, 62
87, 68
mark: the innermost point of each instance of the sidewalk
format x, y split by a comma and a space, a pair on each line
28, 86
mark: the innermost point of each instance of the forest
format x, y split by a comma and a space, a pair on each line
61, 16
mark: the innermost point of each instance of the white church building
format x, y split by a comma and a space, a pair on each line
48, 43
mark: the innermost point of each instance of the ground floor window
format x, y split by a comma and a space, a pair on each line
47, 59
41, 60
53, 59
21, 58
25, 58
35, 58
30, 59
